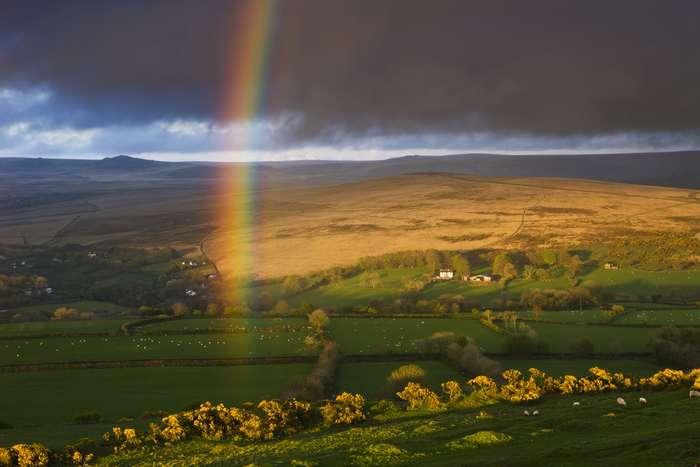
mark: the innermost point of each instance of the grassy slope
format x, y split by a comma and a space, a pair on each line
665, 433
625, 282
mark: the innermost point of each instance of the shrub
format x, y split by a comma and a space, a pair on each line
287, 417
419, 397
517, 389
405, 374
65, 313
30, 455
484, 384
87, 418
452, 390
6, 457
346, 409
318, 320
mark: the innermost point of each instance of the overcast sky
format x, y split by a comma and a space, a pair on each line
350, 79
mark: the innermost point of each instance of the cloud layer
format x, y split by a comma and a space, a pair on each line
83, 76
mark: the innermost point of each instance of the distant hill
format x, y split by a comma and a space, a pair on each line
675, 169
126, 163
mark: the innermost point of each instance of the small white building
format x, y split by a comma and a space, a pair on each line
446, 274
480, 278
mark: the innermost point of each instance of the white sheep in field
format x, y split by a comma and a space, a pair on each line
536, 412
576, 404
621, 401
694, 393
526, 413
642, 401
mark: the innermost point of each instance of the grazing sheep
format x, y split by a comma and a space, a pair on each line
694, 393
536, 412
621, 401
576, 404
526, 413
642, 401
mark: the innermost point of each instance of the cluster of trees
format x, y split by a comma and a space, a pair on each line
679, 347
555, 299
67, 313
320, 381
13, 287
462, 352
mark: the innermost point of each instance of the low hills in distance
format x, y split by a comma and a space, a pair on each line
675, 169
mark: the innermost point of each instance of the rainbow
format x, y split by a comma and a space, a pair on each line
255, 22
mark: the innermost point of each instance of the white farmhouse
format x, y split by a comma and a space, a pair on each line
446, 274
480, 278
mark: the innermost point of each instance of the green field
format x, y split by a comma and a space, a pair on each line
234, 325
606, 339
398, 335
370, 378
39, 328
661, 317
67, 349
664, 433
43, 404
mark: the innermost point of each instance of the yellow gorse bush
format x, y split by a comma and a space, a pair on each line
28, 455
452, 390
518, 388
346, 409
419, 397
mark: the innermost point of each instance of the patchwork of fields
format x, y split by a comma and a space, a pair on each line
47, 399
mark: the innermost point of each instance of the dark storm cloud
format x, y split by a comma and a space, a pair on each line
359, 68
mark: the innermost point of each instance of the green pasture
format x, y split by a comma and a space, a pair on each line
398, 335
370, 378
605, 339
667, 317
58, 349
43, 404
38, 328
237, 325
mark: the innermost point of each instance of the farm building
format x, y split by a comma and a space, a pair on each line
611, 266
480, 278
446, 274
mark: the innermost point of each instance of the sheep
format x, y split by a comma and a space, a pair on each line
536, 412
576, 404
526, 413
694, 393
642, 401
621, 401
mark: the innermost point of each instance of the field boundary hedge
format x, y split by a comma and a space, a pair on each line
57, 334
281, 360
